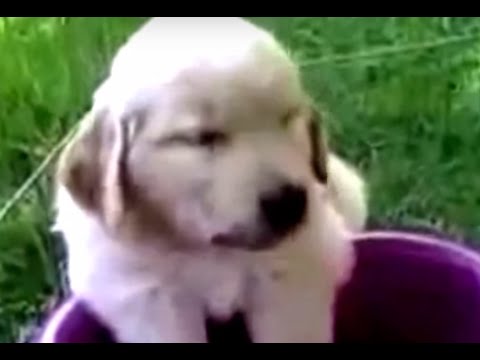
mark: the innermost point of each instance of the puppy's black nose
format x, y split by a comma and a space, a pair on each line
284, 208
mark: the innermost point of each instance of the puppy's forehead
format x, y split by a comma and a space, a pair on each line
164, 46
207, 60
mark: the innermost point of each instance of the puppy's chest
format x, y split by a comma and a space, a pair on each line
220, 286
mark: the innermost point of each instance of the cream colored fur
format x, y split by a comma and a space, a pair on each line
139, 200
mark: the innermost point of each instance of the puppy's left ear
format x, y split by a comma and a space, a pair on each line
308, 127
318, 147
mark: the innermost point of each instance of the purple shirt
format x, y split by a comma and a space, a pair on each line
407, 287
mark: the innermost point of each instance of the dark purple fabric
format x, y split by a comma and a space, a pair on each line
410, 292
401, 291
81, 326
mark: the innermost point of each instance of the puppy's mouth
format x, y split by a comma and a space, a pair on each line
242, 241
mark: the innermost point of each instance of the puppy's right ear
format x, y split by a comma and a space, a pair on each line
92, 166
79, 166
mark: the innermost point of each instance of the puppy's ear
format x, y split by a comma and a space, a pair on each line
92, 166
318, 147
79, 168
307, 126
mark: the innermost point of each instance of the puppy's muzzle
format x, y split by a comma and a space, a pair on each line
280, 212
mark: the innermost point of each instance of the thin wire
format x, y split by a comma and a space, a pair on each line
25, 187
389, 50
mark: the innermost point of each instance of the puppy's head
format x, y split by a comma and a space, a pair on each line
208, 142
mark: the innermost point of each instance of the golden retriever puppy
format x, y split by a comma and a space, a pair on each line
199, 185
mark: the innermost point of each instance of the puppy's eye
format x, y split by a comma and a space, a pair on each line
210, 138
202, 138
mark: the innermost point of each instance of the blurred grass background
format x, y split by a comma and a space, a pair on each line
404, 106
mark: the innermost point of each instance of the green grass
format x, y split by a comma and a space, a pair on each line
409, 117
